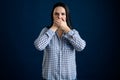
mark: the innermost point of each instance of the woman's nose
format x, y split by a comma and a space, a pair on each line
59, 16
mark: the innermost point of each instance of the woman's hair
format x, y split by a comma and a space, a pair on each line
67, 13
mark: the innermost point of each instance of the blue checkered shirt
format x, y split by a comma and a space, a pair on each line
59, 53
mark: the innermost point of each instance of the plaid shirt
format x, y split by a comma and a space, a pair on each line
59, 53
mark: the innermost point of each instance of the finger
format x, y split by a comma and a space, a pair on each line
63, 19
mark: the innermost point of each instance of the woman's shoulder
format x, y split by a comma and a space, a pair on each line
45, 28
75, 30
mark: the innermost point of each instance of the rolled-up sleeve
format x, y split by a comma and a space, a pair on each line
75, 39
43, 39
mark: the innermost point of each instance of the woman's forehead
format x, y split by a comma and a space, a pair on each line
59, 9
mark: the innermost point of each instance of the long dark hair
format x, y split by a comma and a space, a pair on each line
68, 20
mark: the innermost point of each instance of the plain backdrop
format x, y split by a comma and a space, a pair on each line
22, 21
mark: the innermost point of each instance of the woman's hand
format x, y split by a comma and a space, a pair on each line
62, 24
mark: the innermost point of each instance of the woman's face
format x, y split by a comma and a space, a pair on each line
59, 13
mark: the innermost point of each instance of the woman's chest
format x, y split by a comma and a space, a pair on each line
57, 43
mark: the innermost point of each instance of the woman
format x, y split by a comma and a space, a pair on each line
59, 42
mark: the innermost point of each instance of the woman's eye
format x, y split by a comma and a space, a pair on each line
63, 13
56, 14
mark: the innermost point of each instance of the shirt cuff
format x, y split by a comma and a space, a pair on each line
69, 34
50, 33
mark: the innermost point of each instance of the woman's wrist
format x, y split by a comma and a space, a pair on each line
67, 29
54, 28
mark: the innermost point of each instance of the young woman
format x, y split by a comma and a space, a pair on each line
59, 42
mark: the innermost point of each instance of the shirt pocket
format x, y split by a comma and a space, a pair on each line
67, 45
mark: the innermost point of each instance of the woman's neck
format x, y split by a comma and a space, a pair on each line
60, 32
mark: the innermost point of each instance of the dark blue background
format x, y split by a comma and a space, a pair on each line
22, 21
